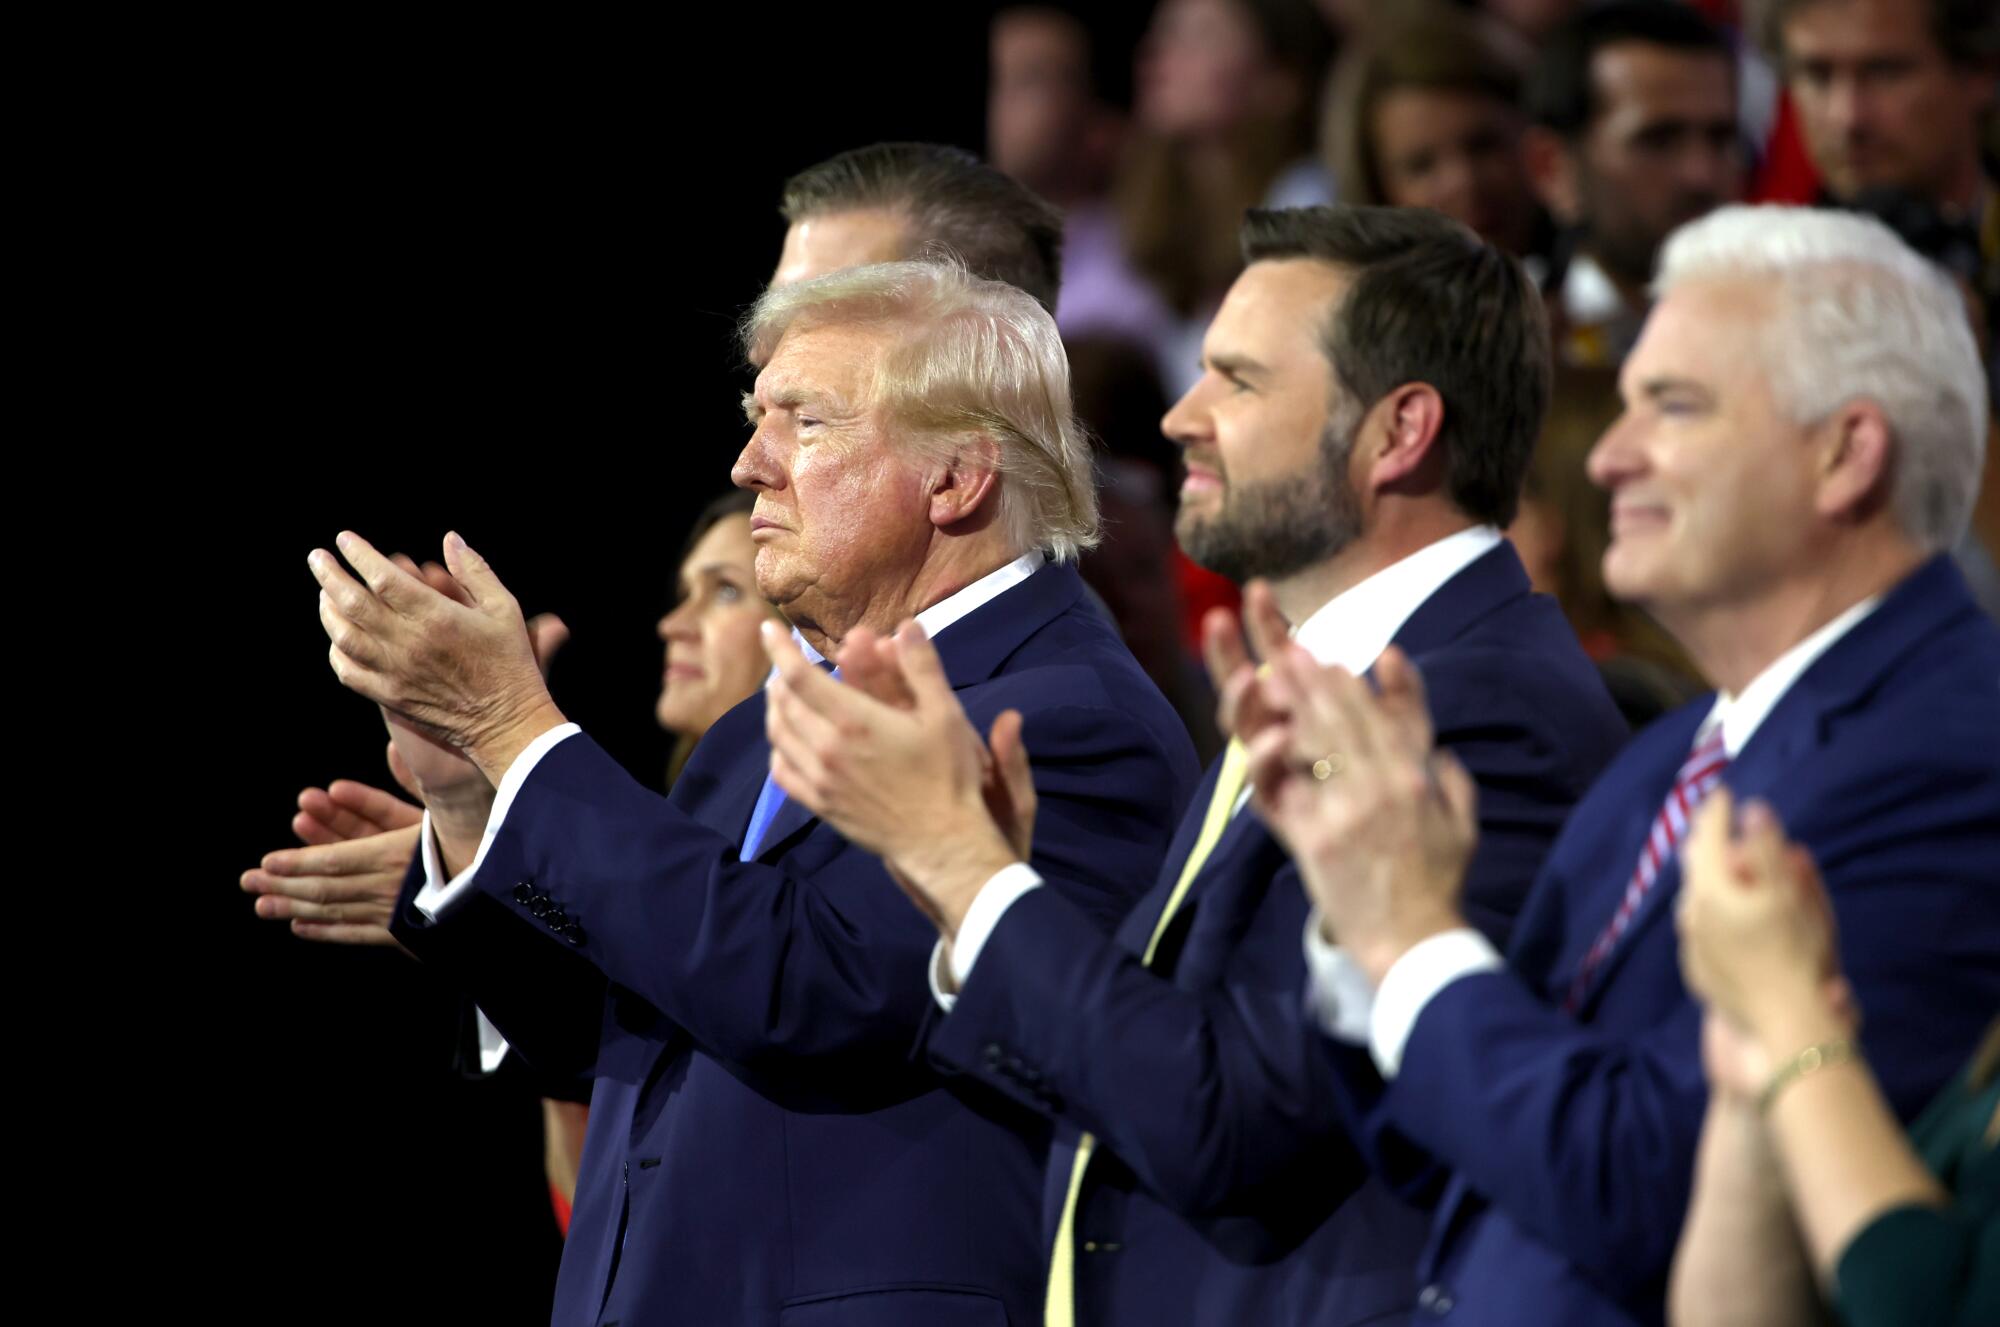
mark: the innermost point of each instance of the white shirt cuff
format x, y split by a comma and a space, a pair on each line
439, 896
945, 999
1337, 990
983, 916
993, 899
988, 905
492, 1046
1414, 980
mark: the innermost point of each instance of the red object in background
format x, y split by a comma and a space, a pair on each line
1787, 175
561, 1204
1201, 590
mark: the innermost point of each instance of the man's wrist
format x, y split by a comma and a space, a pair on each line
1377, 953
954, 865
496, 752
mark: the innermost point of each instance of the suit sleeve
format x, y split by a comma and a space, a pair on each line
818, 955
1215, 1099
547, 1002
1494, 1074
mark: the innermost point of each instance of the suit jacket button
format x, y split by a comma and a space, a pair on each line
574, 934
994, 1054
523, 893
1436, 1300
540, 907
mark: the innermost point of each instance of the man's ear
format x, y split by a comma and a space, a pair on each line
1552, 171
968, 485
1856, 453
1408, 420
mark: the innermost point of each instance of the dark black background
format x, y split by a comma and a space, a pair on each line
402, 281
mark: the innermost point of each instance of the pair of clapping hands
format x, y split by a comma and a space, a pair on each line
1758, 946
342, 886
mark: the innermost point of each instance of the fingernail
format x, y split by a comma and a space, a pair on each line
453, 542
344, 540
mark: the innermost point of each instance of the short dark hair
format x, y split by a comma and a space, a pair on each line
1560, 93
1000, 229
1431, 302
1967, 31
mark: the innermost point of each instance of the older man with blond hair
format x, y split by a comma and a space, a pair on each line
742, 983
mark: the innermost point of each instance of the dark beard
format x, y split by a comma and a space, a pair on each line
1278, 527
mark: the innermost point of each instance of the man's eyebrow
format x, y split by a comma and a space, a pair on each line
1652, 389
1235, 366
794, 396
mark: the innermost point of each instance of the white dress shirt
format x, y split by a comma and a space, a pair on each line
1350, 630
439, 896
1337, 990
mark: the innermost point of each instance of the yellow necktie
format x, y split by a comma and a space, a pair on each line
1060, 1308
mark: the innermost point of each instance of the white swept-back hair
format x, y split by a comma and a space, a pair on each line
975, 359
1860, 316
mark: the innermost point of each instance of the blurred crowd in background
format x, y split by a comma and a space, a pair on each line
1574, 135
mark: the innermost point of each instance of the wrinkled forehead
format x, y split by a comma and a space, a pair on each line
1709, 330
823, 362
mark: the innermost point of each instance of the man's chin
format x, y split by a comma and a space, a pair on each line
1629, 577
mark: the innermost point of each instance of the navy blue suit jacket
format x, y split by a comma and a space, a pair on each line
1203, 1079
1571, 1141
763, 1146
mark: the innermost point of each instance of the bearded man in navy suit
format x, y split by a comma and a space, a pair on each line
742, 983
1372, 388
1800, 450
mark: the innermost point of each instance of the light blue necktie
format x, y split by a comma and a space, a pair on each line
769, 799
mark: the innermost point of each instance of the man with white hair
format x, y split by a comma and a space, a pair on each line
1802, 438
745, 985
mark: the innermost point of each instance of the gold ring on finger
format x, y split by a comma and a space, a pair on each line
1328, 765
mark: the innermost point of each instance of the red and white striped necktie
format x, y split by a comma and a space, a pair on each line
1698, 776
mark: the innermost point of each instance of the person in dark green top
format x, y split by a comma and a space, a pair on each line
1809, 1200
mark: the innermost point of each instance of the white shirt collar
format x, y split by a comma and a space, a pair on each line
1357, 624
1740, 715
955, 606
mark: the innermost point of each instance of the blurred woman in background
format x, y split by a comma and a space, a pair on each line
1424, 111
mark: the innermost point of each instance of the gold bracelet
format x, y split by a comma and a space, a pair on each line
1810, 1060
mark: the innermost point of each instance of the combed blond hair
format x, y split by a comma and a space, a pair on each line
974, 360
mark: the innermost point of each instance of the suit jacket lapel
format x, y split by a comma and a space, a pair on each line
1198, 907
1922, 605
1490, 581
